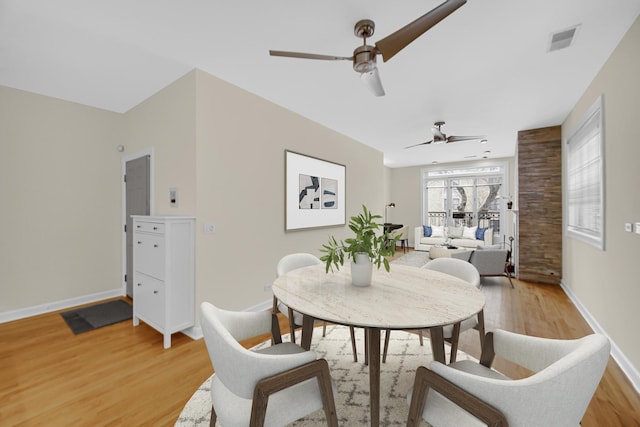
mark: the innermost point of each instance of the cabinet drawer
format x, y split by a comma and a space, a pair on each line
149, 227
149, 299
149, 254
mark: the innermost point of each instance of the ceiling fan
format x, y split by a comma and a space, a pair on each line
364, 57
441, 138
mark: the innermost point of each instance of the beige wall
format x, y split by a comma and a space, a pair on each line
166, 122
607, 283
222, 147
61, 201
241, 140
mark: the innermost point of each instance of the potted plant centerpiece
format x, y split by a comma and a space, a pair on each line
365, 249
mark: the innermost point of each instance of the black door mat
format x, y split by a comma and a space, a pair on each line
96, 316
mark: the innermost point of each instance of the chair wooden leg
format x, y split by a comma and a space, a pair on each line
480, 327
214, 417
510, 281
420, 336
366, 348
386, 345
352, 330
292, 327
324, 329
454, 342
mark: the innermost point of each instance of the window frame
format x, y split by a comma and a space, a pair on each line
581, 135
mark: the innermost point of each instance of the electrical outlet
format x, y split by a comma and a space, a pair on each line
209, 228
628, 227
637, 227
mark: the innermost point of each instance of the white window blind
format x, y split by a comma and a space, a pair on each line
584, 166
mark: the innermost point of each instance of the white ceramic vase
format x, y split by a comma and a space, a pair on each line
361, 269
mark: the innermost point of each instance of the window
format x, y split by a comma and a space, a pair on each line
468, 196
584, 179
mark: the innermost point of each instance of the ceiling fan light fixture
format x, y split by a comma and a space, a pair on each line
372, 80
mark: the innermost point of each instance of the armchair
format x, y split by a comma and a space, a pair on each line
491, 262
292, 262
467, 393
273, 386
467, 272
403, 234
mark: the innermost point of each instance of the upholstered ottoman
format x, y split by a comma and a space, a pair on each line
443, 251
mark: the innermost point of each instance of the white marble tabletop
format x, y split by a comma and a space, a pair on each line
404, 298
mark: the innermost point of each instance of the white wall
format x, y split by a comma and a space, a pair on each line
60, 208
607, 283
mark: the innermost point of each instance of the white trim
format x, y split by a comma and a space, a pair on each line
265, 305
195, 332
22, 313
125, 159
623, 362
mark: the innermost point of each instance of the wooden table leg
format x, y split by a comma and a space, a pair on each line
374, 374
437, 344
307, 331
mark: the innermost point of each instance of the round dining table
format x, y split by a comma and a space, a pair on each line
404, 298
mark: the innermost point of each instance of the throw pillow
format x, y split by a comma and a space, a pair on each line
480, 233
426, 229
455, 232
437, 231
469, 233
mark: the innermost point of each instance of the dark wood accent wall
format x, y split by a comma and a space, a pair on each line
540, 205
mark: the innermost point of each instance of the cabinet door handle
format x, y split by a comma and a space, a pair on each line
139, 242
138, 226
155, 246
155, 228
139, 284
155, 292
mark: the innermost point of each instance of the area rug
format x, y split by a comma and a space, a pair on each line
405, 355
96, 316
413, 258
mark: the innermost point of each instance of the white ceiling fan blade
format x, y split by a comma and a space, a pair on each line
372, 80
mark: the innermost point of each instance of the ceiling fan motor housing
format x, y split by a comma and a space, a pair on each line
364, 58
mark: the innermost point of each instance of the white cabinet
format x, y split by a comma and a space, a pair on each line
163, 273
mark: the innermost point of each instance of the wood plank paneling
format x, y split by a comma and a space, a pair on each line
540, 205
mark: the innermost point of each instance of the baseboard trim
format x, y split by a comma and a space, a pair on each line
22, 313
625, 364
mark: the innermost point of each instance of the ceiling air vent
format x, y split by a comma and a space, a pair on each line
563, 38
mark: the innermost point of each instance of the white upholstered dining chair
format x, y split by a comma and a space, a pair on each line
273, 386
289, 263
467, 272
565, 376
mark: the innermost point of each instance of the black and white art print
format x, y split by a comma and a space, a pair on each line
315, 192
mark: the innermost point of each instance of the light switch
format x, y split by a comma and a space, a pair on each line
628, 227
173, 197
209, 228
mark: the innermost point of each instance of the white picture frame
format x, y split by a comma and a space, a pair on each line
314, 192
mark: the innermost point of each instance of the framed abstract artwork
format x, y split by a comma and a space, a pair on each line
314, 192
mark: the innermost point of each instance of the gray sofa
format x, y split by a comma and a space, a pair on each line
459, 236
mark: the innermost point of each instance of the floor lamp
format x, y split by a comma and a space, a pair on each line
390, 205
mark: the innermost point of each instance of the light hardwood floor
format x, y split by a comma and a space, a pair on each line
120, 375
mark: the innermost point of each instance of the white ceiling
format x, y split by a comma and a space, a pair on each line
484, 70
